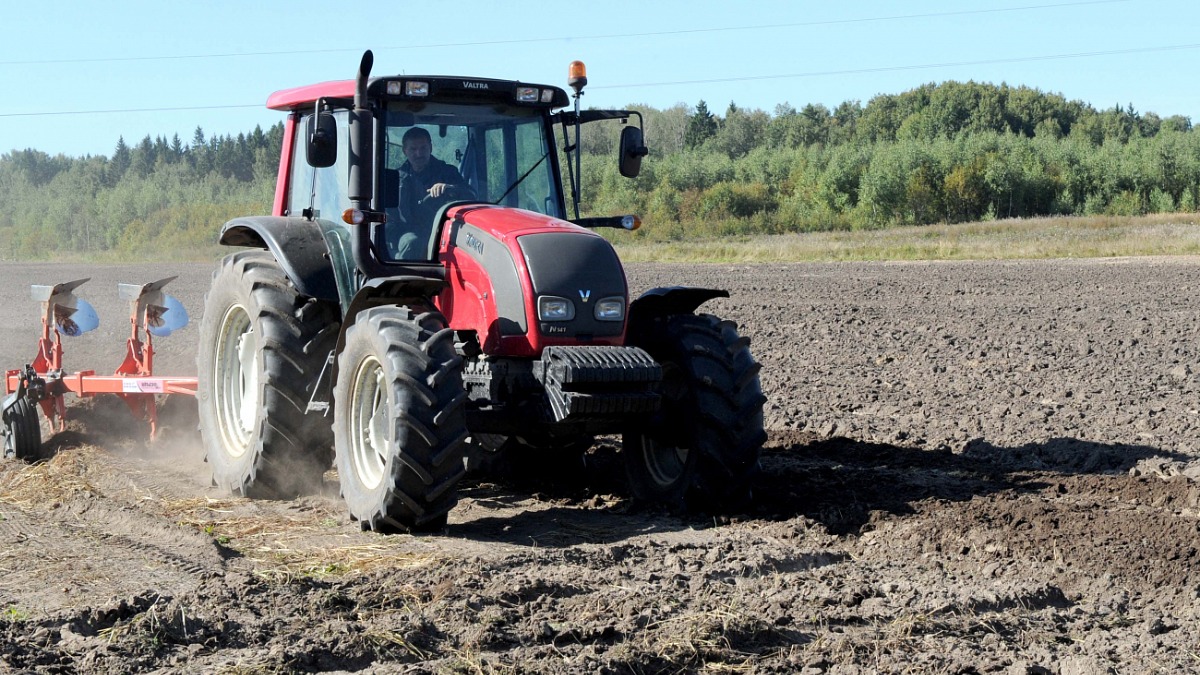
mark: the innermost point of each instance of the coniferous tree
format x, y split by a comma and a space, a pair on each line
121, 159
701, 126
142, 158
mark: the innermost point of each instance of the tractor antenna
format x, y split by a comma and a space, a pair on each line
577, 80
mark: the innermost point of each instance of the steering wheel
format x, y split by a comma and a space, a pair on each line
451, 193
429, 201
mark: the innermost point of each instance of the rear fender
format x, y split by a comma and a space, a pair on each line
665, 301
298, 245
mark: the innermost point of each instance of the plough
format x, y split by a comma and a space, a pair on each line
43, 383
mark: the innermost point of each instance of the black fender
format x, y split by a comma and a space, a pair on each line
298, 245
397, 290
664, 301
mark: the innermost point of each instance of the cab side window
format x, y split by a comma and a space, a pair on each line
325, 190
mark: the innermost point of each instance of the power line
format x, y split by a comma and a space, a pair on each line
885, 69
126, 110
483, 43
747, 78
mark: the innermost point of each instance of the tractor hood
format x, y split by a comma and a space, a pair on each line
506, 222
541, 281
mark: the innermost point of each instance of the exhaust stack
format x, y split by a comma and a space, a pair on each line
361, 155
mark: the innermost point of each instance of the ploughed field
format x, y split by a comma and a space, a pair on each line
971, 467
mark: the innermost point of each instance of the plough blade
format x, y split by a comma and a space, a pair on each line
47, 293
158, 313
71, 315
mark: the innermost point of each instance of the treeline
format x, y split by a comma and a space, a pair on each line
950, 152
158, 197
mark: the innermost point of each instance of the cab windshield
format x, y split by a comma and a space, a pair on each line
500, 154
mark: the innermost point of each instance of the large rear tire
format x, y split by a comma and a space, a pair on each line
262, 348
701, 450
399, 419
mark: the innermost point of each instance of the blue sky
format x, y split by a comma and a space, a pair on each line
77, 75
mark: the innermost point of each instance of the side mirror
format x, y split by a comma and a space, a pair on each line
632, 152
322, 140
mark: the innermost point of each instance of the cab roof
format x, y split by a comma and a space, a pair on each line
440, 87
296, 97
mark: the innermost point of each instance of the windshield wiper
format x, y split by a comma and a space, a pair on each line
523, 177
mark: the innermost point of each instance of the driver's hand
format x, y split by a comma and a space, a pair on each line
438, 189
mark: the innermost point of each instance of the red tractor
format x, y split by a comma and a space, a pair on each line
432, 323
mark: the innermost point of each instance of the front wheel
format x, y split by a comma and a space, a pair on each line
700, 451
399, 419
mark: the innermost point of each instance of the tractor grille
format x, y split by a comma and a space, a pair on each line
595, 381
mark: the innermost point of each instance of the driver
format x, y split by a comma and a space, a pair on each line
426, 182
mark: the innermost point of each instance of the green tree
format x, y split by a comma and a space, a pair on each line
143, 158
701, 126
121, 159
740, 132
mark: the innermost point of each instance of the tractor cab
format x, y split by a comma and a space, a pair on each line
380, 200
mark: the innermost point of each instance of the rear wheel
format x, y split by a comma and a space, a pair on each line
485, 453
263, 346
399, 419
700, 451
22, 430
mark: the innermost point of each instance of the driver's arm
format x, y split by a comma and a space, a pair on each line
451, 184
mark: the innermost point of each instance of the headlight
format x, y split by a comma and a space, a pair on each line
610, 309
551, 308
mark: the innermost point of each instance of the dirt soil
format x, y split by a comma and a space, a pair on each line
972, 467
